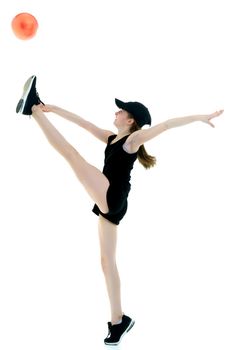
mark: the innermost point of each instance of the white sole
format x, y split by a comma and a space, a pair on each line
26, 90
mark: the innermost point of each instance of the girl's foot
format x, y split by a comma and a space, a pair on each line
117, 331
29, 98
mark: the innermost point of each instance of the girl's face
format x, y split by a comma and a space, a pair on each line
122, 119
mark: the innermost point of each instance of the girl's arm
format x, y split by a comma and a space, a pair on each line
138, 138
101, 134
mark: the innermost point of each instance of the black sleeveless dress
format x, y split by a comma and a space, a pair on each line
117, 168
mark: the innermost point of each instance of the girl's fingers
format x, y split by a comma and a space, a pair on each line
216, 114
219, 112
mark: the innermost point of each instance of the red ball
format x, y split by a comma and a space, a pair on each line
24, 26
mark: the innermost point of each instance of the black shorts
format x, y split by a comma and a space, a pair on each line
117, 203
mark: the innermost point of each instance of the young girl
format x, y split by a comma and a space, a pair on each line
108, 189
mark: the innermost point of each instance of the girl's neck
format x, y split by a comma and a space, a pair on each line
122, 133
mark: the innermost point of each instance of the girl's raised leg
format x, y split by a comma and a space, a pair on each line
95, 183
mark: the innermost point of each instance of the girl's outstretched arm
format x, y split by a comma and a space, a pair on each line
138, 138
101, 134
172, 123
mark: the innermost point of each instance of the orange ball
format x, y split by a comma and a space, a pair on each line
24, 26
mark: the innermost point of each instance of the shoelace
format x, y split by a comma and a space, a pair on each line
38, 97
109, 330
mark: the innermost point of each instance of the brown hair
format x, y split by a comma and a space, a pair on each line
144, 158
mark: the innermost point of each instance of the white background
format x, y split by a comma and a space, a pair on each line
175, 243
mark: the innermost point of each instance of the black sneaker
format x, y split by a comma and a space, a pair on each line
29, 98
117, 331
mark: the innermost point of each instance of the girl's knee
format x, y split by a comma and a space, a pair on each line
107, 262
72, 154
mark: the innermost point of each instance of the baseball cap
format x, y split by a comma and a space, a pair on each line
138, 110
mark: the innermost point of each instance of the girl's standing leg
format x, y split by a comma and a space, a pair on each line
95, 183
108, 243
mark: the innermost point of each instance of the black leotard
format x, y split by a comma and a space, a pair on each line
117, 168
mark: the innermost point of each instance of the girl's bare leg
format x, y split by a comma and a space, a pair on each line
108, 243
95, 183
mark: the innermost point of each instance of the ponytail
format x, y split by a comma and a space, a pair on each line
144, 158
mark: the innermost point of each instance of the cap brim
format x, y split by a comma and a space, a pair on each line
119, 103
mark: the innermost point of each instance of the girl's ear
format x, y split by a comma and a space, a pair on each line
130, 121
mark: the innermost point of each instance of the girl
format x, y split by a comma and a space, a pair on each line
108, 189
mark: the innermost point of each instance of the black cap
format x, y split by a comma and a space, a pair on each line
137, 109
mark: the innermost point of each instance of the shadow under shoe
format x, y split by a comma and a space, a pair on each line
29, 98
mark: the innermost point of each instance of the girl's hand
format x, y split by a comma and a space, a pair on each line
208, 117
46, 108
